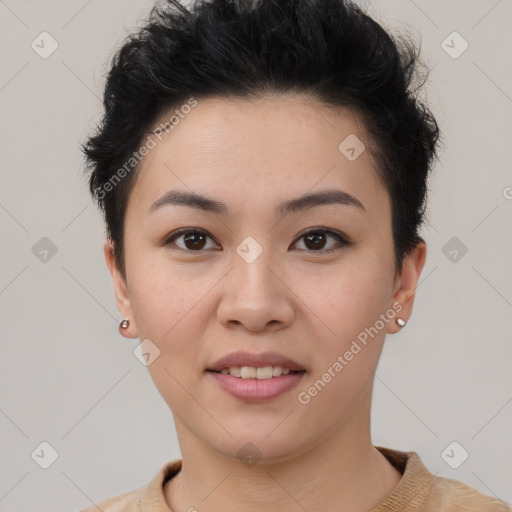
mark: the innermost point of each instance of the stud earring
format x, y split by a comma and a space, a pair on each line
401, 322
123, 324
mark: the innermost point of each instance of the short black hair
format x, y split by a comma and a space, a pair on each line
330, 50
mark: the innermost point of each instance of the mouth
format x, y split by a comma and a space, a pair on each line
254, 389
256, 377
256, 372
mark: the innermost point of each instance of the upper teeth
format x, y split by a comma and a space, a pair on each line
250, 372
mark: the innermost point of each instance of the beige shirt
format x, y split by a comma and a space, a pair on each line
418, 491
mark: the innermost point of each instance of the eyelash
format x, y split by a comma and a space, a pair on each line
342, 240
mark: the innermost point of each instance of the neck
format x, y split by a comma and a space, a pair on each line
343, 472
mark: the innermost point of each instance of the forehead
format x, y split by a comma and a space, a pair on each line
267, 149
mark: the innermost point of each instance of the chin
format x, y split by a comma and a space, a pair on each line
256, 446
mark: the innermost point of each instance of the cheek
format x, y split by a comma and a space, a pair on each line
168, 310
346, 300
160, 292
347, 345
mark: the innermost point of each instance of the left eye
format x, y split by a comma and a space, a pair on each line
315, 239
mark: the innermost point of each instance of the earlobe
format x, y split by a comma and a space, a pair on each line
407, 282
121, 293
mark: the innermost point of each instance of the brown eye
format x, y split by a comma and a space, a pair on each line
316, 239
192, 240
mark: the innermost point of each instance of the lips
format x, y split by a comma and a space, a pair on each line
256, 390
248, 359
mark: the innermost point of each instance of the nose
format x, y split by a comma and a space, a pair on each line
256, 295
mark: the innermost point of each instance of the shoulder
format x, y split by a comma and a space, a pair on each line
450, 495
420, 490
148, 498
126, 502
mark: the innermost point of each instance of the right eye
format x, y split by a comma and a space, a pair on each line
194, 239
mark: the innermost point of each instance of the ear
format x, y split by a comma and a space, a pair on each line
122, 295
406, 283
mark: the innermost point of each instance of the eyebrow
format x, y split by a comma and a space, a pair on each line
306, 201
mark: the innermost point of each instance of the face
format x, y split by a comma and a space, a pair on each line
246, 273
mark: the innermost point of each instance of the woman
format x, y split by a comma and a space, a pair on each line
262, 168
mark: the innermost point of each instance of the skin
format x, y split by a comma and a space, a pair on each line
197, 306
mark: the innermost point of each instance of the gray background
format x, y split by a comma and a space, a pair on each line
68, 378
